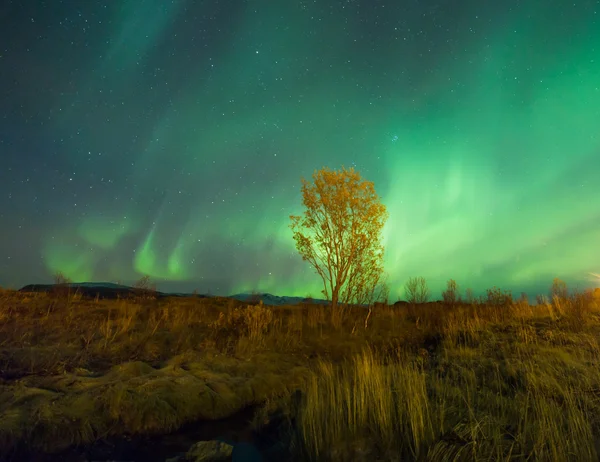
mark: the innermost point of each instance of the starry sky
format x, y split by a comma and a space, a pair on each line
168, 138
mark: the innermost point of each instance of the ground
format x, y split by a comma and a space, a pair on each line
495, 379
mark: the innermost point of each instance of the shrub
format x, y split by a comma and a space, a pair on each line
498, 297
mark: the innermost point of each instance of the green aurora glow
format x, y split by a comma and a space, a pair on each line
185, 129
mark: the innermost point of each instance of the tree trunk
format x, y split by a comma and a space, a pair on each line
334, 298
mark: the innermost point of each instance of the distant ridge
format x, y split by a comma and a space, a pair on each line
109, 290
106, 290
275, 300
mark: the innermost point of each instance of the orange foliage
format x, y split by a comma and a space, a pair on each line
339, 234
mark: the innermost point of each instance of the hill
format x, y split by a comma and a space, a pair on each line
109, 290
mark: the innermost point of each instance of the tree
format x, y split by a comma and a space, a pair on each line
469, 296
451, 295
559, 290
62, 285
416, 290
339, 234
145, 288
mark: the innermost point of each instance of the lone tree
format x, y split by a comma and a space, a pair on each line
416, 290
339, 234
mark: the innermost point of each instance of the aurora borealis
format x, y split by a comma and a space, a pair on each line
169, 138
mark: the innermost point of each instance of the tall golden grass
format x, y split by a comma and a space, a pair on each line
522, 384
363, 405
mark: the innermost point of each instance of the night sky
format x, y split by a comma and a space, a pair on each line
168, 138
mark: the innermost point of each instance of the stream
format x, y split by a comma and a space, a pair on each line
234, 430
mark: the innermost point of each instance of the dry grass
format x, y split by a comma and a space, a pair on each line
497, 380
365, 405
506, 383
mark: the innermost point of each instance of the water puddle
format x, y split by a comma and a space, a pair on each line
158, 448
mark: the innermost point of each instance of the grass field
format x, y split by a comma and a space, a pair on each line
492, 380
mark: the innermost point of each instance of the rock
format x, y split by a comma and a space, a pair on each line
209, 451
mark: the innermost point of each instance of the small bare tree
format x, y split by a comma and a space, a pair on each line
450, 295
380, 297
416, 290
383, 296
469, 296
62, 285
524, 298
145, 288
558, 290
339, 234
61, 292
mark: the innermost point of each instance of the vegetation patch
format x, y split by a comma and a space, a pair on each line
450, 380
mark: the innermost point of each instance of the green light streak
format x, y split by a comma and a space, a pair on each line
74, 263
488, 162
104, 233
